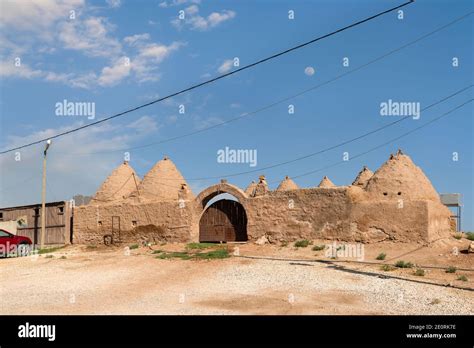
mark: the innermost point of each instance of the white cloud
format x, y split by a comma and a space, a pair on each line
195, 21
52, 30
216, 18
36, 15
8, 69
201, 123
135, 39
144, 125
226, 66
111, 75
144, 65
68, 172
166, 4
90, 36
114, 3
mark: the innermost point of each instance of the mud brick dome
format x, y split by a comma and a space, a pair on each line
287, 184
119, 185
397, 202
400, 177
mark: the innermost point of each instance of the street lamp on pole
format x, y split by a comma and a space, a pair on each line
43, 195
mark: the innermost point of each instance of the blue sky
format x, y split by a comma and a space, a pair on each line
82, 59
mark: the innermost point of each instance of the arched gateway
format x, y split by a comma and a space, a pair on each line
224, 220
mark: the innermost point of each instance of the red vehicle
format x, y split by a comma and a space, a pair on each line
11, 244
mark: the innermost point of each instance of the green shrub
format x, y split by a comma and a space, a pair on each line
49, 256
420, 272
319, 247
133, 246
458, 236
387, 268
49, 250
214, 254
63, 257
302, 243
201, 245
284, 243
470, 235
463, 278
451, 269
381, 256
177, 254
184, 255
403, 264
157, 251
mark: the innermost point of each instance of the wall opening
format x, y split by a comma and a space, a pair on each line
224, 220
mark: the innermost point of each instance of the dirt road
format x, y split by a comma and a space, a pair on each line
112, 282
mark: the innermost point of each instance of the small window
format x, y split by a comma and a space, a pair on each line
134, 223
60, 210
1, 216
99, 223
385, 193
399, 193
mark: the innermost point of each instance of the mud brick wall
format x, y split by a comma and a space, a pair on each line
305, 213
146, 222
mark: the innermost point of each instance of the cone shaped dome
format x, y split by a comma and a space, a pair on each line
399, 176
287, 184
119, 184
250, 190
363, 177
163, 182
326, 183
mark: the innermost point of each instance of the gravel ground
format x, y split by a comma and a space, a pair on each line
114, 283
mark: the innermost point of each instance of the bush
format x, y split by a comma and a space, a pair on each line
157, 251
458, 236
215, 254
302, 243
319, 247
49, 250
420, 272
387, 268
179, 255
133, 246
451, 269
184, 255
403, 264
63, 257
284, 243
462, 278
381, 256
470, 235
201, 245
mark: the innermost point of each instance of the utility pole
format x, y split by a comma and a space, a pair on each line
43, 196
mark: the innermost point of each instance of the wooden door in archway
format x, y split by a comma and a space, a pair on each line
223, 221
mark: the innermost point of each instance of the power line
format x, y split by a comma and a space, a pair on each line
333, 146
341, 143
273, 104
245, 67
384, 144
